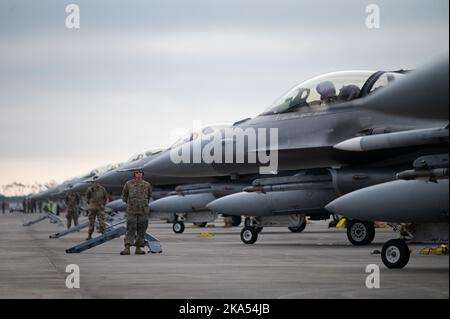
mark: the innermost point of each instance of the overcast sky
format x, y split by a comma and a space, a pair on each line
75, 99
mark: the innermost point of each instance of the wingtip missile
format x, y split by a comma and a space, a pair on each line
351, 145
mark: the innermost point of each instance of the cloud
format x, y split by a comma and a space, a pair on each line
136, 70
236, 44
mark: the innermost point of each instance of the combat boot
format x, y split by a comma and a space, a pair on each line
89, 237
139, 251
126, 250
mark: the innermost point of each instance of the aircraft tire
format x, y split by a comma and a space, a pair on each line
360, 233
178, 227
395, 254
299, 228
249, 235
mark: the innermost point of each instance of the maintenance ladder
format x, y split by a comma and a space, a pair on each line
52, 217
153, 244
80, 227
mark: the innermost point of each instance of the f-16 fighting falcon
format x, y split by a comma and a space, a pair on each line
341, 136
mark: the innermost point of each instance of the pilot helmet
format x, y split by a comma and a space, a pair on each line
326, 90
349, 92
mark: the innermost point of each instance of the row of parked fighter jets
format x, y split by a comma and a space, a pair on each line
369, 146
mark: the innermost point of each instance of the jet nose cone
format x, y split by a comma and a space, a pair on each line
223, 206
252, 204
171, 204
105, 179
336, 206
117, 205
361, 204
182, 204
80, 187
165, 165
397, 201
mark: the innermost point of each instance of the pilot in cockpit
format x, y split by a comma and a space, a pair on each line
327, 92
348, 93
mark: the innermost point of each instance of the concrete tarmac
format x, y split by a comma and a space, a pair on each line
318, 263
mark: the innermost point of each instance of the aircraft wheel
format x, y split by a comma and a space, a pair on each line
178, 227
395, 254
249, 235
236, 221
360, 233
258, 229
299, 228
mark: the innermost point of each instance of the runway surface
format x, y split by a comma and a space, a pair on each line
318, 263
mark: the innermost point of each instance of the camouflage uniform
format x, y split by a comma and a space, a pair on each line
136, 193
97, 198
72, 202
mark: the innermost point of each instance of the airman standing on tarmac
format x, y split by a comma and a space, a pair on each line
97, 197
136, 193
72, 202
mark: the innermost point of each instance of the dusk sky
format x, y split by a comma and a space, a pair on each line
75, 99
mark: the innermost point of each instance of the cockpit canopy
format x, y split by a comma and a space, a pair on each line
204, 131
319, 93
103, 169
139, 156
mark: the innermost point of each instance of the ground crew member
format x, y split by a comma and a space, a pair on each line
58, 208
97, 197
3, 207
72, 202
136, 193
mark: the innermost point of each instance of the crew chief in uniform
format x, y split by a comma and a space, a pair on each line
97, 197
136, 193
72, 200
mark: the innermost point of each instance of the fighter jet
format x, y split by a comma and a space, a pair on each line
189, 200
163, 186
337, 142
114, 177
416, 203
174, 199
58, 190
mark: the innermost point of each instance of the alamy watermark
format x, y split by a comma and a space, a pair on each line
73, 279
373, 19
230, 145
73, 17
373, 280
